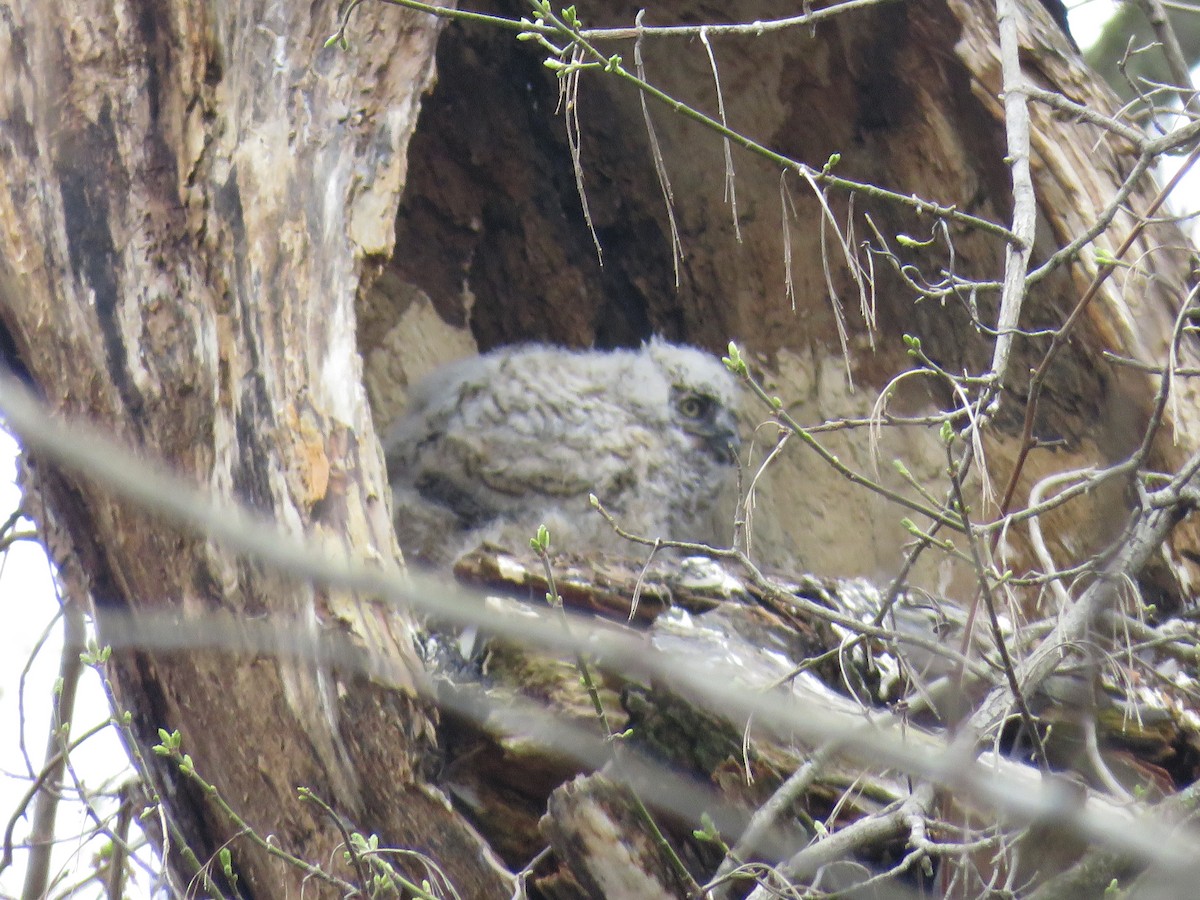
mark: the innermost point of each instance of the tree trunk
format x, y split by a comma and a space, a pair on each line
206, 253
192, 194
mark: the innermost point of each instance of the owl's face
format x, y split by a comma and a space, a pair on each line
701, 399
708, 420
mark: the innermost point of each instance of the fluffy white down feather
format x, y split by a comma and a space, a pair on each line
492, 446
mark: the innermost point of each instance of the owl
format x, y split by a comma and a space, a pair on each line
493, 446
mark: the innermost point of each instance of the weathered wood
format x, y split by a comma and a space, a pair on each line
190, 195
583, 817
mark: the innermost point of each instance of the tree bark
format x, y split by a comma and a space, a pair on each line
192, 194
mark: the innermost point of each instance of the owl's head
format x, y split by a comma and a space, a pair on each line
702, 396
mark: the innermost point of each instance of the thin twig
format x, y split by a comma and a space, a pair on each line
989, 605
660, 163
1017, 253
1063, 334
41, 830
867, 738
1168, 41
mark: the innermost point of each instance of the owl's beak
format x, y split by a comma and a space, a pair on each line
723, 441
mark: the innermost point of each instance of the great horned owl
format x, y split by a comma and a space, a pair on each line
490, 447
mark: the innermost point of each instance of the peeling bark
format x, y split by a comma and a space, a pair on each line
190, 196
202, 232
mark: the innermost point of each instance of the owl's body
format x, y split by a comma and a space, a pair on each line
491, 447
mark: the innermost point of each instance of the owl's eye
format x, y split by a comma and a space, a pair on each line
694, 406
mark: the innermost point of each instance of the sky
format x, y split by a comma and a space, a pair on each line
30, 645
27, 679
1088, 17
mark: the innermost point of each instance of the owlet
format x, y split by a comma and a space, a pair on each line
492, 446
